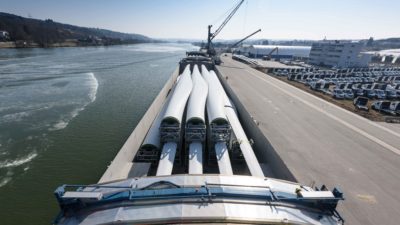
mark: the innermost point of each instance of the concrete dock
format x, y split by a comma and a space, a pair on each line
322, 143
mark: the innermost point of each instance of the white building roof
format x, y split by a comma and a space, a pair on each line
281, 47
299, 51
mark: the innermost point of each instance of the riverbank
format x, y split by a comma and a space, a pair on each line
67, 43
7, 44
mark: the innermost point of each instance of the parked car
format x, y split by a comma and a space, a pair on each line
380, 94
316, 85
361, 103
284, 73
340, 85
391, 94
395, 108
370, 93
325, 88
338, 94
382, 106
349, 85
348, 94
308, 81
359, 92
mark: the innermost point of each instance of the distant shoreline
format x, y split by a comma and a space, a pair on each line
21, 32
28, 44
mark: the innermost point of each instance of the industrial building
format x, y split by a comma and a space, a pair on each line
274, 51
339, 54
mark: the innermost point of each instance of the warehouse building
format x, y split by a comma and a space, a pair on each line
338, 54
274, 51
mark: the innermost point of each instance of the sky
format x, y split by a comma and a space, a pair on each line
188, 19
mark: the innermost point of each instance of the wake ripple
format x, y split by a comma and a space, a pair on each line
18, 162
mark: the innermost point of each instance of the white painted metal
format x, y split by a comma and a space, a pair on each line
233, 106
173, 115
395, 59
152, 139
224, 163
83, 195
215, 104
195, 116
198, 97
240, 211
179, 98
195, 158
316, 194
167, 157
247, 150
216, 115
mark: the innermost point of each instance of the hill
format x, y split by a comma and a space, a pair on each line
388, 43
47, 33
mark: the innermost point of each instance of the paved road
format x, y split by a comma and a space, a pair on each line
326, 144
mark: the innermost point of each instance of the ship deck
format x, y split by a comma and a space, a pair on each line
322, 143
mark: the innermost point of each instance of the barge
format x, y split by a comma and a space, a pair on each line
189, 160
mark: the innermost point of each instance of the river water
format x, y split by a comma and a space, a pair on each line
64, 114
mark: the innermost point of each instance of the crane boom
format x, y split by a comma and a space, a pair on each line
213, 35
234, 45
269, 56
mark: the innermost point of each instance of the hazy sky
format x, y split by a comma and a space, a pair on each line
278, 19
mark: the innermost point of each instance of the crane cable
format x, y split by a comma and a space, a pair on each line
223, 15
245, 19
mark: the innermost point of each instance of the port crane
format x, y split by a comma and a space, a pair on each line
211, 35
269, 56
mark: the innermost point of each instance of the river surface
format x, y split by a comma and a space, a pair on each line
65, 113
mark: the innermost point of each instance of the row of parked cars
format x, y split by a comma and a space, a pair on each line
386, 107
358, 77
371, 91
354, 72
373, 84
359, 86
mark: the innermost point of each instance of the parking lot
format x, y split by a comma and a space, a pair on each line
373, 93
323, 143
379, 88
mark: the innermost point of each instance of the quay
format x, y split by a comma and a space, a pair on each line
312, 141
